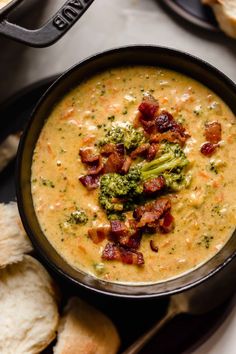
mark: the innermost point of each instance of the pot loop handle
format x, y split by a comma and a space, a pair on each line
54, 29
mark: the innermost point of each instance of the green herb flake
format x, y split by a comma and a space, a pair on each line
47, 183
213, 167
205, 241
111, 118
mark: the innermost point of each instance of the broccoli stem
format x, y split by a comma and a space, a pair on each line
148, 166
158, 166
173, 159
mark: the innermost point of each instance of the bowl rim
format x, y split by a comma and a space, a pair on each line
19, 190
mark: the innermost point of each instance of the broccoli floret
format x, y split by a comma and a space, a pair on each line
125, 134
170, 165
78, 217
176, 180
117, 192
121, 193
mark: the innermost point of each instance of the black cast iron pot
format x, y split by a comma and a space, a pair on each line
219, 270
48, 34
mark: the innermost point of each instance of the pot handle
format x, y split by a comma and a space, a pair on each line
54, 29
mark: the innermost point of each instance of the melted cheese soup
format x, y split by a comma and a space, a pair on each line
202, 214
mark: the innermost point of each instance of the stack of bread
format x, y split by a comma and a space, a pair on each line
29, 299
225, 12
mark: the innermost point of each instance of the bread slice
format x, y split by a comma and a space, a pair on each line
225, 12
85, 330
28, 310
8, 148
13, 240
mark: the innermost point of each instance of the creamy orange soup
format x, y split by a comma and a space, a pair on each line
204, 212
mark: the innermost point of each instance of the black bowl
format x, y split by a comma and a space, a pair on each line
140, 55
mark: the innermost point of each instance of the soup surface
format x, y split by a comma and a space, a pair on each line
199, 213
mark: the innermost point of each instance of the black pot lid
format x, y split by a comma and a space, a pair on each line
194, 12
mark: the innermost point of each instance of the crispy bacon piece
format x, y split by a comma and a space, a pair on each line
120, 149
88, 156
166, 224
148, 110
149, 107
151, 153
118, 230
128, 237
213, 132
96, 167
153, 247
146, 150
108, 149
140, 151
165, 122
98, 234
148, 125
120, 253
208, 149
149, 214
114, 163
154, 185
90, 181
171, 136
135, 239
126, 165
92, 160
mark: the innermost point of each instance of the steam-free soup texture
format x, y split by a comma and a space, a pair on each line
204, 211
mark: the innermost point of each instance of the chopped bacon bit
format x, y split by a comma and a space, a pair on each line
94, 161
148, 125
114, 163
99, 234
90, 181
145, 150
140, 151
213, 132
151, 153
171, 136
149, 107
119, 253
107, 149
96, 167
150, 213
165, 122
126, 165
134, 240
88, 156
208, 149
111, 252
120, 233
153, 247
136, 122
166, 223
154, 185
118, 229
120, 149
160, 206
